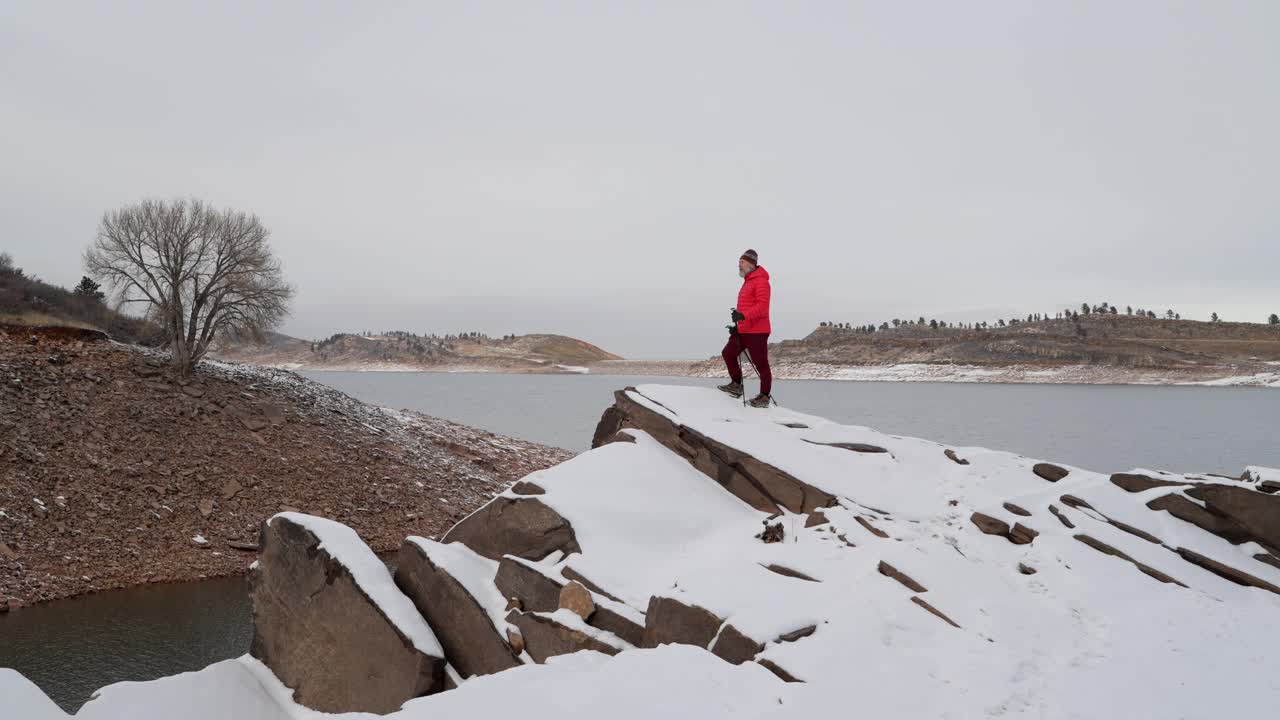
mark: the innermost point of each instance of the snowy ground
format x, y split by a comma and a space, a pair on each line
1049, 629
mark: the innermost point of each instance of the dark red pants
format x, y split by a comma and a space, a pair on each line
757, 347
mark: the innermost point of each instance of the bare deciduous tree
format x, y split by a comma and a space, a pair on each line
201, 272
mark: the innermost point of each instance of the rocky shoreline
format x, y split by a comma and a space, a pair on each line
114, 472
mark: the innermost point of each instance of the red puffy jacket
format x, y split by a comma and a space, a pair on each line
753, 302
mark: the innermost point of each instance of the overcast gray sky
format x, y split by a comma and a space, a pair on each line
596, 168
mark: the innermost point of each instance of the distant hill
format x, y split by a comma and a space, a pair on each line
1127, 341
401, 350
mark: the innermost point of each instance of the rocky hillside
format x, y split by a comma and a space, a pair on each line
714, 561
113, 472
1101, 340
400, 350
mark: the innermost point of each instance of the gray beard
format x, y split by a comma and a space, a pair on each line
742, 273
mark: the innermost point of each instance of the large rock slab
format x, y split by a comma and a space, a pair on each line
464, 624
331, 625
547, 635
759, 484
1136, 483
732, 645
537, 590
668, 620
534, 589
1258, 514
521, 526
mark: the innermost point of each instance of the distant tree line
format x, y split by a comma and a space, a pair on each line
418, 345
1067, 314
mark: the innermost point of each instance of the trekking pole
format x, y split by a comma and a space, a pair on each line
733, 331
757, 371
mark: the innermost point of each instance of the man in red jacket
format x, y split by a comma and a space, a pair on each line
751, 330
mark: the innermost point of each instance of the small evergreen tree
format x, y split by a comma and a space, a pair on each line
90, 289
1128, 309
1213, 317
1274, 319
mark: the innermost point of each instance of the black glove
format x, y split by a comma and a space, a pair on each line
737, 316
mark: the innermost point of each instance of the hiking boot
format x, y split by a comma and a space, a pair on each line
761, 401
733, 388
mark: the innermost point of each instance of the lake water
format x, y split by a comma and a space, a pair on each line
1107, 428
71, 648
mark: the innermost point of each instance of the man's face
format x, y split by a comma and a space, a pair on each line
744, 267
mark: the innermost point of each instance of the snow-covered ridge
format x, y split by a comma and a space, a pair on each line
705, 554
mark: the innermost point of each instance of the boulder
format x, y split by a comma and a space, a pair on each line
1022, 535
989, 525
524, 487
524, 527
607, 428
576, 598
1187, 511
816, 518
571, 574
547, 636
1050, 472
1017, 510
344, 640
953, 457
472, 643
1140, 483
535, 590
1257, 513
615, 620
733, 646
668, 620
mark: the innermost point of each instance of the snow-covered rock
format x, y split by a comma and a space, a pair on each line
453, 588
728, 550
331, 623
